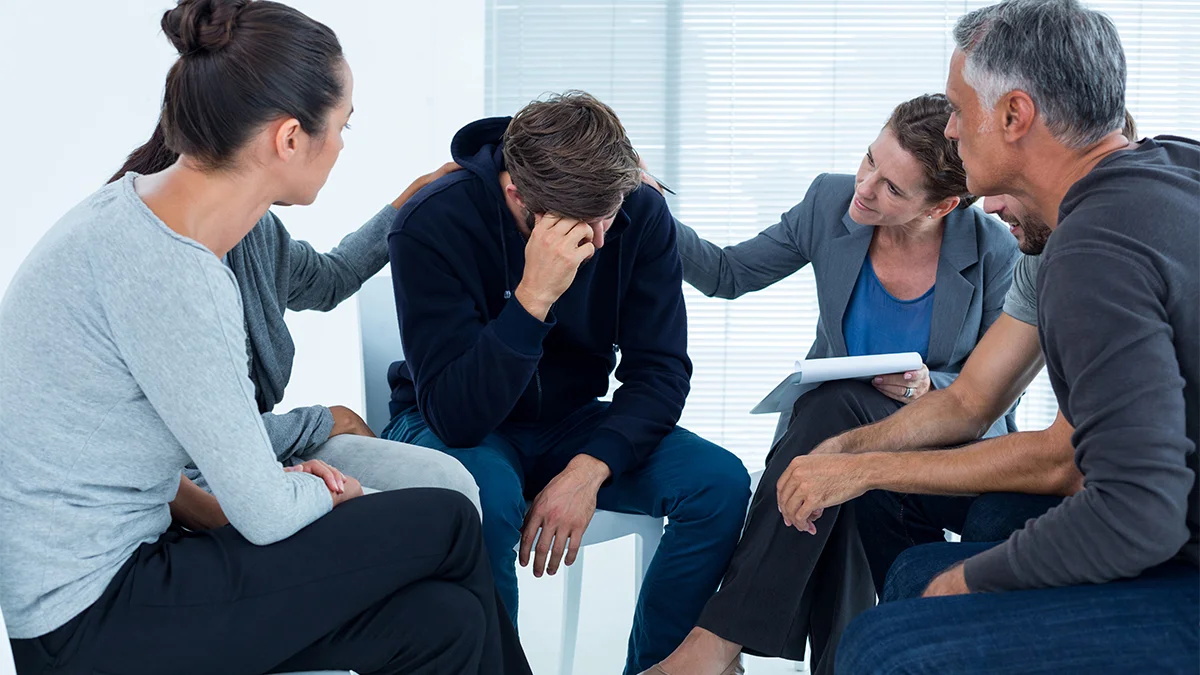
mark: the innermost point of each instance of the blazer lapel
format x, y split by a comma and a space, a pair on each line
840, 269
952, 293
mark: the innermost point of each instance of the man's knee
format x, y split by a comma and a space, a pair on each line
500, 499
717, 483
995, 516
910, 575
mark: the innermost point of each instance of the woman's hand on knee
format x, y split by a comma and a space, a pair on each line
904, 387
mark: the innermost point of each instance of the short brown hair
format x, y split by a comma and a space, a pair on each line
568, 154
920, 126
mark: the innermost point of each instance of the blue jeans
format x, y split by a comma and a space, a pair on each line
1150, 624
699, 487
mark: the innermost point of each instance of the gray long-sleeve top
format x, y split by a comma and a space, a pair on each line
122, 359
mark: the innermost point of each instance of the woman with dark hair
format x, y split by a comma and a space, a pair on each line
901, 265
276, 273
124, 360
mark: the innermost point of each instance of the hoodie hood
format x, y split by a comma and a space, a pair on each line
478, 148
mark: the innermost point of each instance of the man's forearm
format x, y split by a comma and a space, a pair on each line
938, 419
1033, 462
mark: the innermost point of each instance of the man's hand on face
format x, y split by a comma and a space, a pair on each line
556, 248
561, 513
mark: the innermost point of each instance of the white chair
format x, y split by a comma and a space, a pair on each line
381, 346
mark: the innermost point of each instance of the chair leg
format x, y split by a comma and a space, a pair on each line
570, 622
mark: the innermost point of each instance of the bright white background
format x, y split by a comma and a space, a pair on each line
81, 84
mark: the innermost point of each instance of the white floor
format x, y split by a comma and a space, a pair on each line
605, 617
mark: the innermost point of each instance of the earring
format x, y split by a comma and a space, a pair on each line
928, 217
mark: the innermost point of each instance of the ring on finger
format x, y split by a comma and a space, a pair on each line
908, 392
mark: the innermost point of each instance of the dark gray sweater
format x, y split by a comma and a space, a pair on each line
276, 273
1117, 308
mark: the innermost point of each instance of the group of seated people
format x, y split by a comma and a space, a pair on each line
152, 500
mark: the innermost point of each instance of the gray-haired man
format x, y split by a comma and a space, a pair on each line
1108, 580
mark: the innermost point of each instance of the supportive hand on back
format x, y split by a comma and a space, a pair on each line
447, 168
896, 385
561, 514
556, 248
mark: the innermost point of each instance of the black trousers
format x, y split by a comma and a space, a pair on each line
785, 588
389, 583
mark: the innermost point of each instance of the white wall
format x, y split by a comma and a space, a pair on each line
82, 82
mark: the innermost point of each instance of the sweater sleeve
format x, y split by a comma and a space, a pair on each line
1105, 331
178, 326
298, 430
321, 281
655, 371
754, 264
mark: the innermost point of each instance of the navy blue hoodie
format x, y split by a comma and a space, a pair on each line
477, 360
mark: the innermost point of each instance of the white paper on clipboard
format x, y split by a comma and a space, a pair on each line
810, 373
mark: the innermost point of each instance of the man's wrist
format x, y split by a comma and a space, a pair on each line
870, 468
829, 446
538, 308
594, 470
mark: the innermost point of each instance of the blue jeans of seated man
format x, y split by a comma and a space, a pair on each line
698, 486
1150, 624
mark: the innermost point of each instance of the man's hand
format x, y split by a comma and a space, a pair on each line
346, 421
562, 513
951, 582
896, 385
556, 248
447, 168
811, 484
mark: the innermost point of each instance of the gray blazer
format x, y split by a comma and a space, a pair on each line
975, 269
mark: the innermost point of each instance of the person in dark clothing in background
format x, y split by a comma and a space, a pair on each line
1106, 582
518, 283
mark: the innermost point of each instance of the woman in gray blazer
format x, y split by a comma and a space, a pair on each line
901, 265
